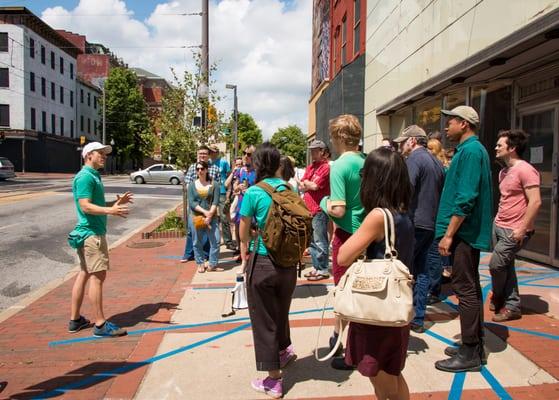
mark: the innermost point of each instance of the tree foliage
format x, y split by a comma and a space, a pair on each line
291, 142
127, 121
180, 136
248, 132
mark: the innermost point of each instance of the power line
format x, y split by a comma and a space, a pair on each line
182, 14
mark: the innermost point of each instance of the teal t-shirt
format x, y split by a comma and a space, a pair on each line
88, 185
345, 189
256, 204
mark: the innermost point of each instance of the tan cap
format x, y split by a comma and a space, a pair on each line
214, 149
465, 112
410, 131
317, 144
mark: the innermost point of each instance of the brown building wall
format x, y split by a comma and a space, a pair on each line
344, 10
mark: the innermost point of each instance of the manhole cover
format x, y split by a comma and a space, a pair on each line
145, 245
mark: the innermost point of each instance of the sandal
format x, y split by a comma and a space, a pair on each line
318, 277
312, 272
214, 269
201, 269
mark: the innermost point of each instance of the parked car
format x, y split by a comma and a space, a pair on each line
6, 169
158, 173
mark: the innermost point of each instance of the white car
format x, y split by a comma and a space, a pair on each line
158, 173
6, 169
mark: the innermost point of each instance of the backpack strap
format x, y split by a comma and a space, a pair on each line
269, 188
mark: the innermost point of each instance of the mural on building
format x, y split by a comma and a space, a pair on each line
321, 42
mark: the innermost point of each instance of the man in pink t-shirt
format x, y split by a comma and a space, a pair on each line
519, 184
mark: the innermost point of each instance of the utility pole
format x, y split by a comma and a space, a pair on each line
235, 119
204, 63
104, 116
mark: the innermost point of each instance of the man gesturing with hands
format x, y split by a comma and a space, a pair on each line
90, 236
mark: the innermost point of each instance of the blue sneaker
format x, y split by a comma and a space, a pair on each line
80, 323
108, 330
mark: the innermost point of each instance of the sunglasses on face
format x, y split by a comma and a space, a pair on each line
247, 153
200, 169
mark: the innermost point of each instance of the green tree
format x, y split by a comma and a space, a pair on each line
248, 131
127, 120
291, 142
180, 136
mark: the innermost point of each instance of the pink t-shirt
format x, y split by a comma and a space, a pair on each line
513, 201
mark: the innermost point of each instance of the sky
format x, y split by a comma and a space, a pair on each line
262, 46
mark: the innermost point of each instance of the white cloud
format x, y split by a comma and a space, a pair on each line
262, 46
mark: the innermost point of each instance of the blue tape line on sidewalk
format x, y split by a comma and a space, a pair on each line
441, 338
495, 385
176, 327
457, 386
526, 331
536, 285
126, 368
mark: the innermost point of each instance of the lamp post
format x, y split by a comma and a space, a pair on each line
113, 156
235, 119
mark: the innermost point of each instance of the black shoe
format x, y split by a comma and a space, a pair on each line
466, 359
236, 252
339, 364
231, 247
433, 300
76, 325
332, 342
417, 328
452, 351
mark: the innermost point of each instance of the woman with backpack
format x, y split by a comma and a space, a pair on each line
269, 286
203, 200
379, 352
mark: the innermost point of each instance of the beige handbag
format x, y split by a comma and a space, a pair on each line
375, 292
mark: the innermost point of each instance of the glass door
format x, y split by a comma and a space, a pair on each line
542, 125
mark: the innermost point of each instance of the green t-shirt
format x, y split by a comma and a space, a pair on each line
345, 187
256, 204
88, 185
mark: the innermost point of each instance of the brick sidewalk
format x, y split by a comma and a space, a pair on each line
144, 289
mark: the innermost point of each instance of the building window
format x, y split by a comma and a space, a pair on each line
44, 121
72, 128
81, 96
71, 71
3, 41
4, 77
52, 91
61, 65
31, 48
53, 124
89, 125
61, 95
81, 123
61, 126
344, 39
356, 26
33, 120
43, 55
52, 60
336, 41
4, 115
88, 99
44, 87
32, 81
95, 102
95, 127
71, 98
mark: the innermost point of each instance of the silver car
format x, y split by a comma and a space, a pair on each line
158, 173
6, 169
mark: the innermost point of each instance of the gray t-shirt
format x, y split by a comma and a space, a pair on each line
427, 178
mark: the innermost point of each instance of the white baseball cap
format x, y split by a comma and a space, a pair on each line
95, 146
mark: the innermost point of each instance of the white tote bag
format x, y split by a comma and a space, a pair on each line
375, 292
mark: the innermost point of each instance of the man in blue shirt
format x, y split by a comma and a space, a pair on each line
220, 162
426, 177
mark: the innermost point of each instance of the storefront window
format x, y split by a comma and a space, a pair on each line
493, 102
428, 115
399, 120
455, 98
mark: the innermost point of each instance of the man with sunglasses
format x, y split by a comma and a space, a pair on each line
202, 154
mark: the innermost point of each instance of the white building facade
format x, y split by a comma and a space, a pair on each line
89, 111
499, 56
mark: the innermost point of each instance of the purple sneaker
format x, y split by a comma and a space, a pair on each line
272, 387
286, 356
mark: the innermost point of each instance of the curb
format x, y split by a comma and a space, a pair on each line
40, 292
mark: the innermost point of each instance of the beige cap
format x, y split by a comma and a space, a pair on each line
465, 112
410, 131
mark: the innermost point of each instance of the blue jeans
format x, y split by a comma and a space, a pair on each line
202, 236
423, 240
319, 244
435, 264
188, 246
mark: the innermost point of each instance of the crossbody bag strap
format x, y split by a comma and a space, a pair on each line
387, 237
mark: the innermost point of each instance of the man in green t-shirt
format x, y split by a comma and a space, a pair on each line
89, 238
343, 206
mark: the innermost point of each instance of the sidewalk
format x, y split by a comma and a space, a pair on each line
179, 346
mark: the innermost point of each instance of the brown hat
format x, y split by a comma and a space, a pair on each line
317, 144
410, 131
465, 112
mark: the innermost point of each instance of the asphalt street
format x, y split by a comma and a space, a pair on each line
36, 216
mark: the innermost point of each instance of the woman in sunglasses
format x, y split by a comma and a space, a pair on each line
203, 195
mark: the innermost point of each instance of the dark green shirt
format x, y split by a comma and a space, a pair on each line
467, 192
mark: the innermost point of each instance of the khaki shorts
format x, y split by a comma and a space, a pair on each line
94, 255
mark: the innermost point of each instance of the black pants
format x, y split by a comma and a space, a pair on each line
465, 283
269, 292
